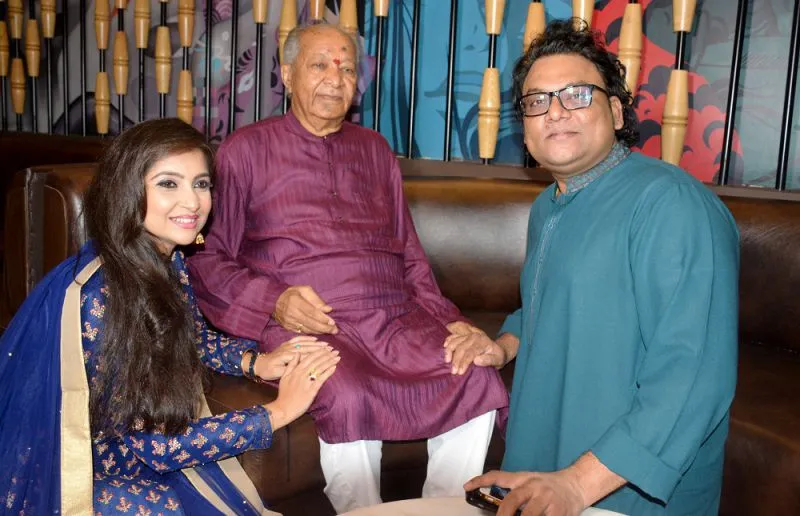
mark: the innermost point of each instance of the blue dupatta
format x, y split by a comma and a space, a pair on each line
46, 460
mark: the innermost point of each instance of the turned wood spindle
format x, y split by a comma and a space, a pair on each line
380, 8
185, 96
141, 23
141, 35
348, 17
5, 50
18, 86
683, 15
102, 92
102, 100
630, 44
5, 54
33, 48
288, 22
583, 9
48, 19
15, 19
316, 10
121, 63
676, 117
163, 61
15, 16
494, 16
260, 10
381, 11
489, 113
186, 22
534, 24
489, 104
186, 31
676, 106
102, 22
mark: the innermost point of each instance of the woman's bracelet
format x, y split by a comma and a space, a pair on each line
250, 371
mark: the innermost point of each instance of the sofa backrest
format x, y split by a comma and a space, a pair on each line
769, 281
43, 225
473, 230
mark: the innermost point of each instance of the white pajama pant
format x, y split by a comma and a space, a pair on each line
353, 470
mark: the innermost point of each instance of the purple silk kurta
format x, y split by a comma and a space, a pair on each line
292, 208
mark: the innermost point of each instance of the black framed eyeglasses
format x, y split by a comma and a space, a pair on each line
576, 96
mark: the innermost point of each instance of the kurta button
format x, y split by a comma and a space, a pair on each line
333, 193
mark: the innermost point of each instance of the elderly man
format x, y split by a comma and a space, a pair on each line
626, 339
312, 235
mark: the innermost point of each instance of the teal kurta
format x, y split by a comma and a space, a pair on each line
628, 332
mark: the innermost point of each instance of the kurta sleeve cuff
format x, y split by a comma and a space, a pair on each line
626, 457
512, 325
253, 308
264, 428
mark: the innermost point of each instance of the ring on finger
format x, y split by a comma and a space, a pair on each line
297, 346
312, 375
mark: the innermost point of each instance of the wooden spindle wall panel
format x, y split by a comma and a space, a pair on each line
489, 102
534, 24
316, 10
260, 10
102, 92
5, 58
121, 63
584, 10
676, 105
15, 22
141, 33
381, 12
630, 44
348, 16
48, 17
288, 22
185, 94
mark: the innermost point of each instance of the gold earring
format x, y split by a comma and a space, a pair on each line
199, 240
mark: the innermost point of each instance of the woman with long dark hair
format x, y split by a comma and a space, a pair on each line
101, 371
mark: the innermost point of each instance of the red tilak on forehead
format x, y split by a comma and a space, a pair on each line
337, 62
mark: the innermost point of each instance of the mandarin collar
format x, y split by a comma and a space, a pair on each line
297, 128
580, 181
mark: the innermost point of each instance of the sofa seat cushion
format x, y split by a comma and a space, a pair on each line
763, 448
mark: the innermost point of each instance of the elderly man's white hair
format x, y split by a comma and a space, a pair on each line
291, 49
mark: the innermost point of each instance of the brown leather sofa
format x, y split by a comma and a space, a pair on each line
474, 233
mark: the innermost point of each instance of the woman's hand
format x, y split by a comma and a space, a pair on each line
299, 385
272, 365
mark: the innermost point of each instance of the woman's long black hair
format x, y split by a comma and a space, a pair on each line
149, 375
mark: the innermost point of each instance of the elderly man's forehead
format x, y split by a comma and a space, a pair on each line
312, 36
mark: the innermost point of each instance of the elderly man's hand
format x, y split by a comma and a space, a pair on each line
550, 494
301, 310
468, 345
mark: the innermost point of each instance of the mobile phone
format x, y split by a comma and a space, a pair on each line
482, 498
488, 499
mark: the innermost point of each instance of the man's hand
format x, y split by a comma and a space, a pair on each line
301, 310
550, 494
468, 345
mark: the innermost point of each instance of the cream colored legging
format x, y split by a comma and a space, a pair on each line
353, 470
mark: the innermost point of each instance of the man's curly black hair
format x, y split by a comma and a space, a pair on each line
563, 37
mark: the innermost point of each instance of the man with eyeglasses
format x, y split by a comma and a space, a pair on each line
625, 344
